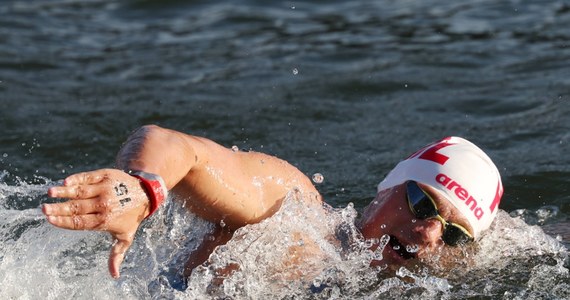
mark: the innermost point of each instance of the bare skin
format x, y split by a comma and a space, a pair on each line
217, 184
389, 214
220, 185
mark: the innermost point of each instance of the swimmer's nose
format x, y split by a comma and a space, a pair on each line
429, 231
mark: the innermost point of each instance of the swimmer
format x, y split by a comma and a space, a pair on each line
444, 195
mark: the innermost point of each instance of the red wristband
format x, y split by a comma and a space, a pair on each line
154, 186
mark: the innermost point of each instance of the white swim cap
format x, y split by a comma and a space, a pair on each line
460, 171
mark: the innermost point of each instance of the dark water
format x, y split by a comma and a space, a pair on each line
344, 88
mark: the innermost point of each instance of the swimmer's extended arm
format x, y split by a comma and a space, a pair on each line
216, 183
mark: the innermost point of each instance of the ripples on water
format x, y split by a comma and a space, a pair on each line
344, 89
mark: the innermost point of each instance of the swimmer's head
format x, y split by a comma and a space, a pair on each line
461, 172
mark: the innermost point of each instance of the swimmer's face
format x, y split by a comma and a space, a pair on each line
389, 214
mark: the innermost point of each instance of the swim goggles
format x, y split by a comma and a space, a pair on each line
424, 207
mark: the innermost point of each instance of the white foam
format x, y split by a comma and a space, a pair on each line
40, 261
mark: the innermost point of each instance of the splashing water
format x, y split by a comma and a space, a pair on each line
384, 240
412, 248
301, 252
428, 282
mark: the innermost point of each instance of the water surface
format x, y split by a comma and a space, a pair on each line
343, 88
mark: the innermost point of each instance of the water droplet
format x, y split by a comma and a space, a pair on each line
292, 7
377, 255
235, 148
370, 242
396, 247
384, 240
5, 155
406, 85
414, 220
383, 226
222, 223
412, 248
318, 178
295, 71
317, 282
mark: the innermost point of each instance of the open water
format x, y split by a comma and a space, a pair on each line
341, 88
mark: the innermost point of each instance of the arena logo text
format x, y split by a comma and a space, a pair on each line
461, 193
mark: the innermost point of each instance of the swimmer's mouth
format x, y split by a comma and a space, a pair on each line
399, 248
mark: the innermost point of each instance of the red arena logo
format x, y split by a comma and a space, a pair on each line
461, 193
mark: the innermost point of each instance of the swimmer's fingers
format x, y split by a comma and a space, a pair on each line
77, 222
106, 200
122, 244
82, 185
75, 207
91, 177
82, 191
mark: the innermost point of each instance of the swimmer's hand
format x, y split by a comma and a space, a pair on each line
106, 200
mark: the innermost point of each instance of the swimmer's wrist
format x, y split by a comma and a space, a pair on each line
154, 187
